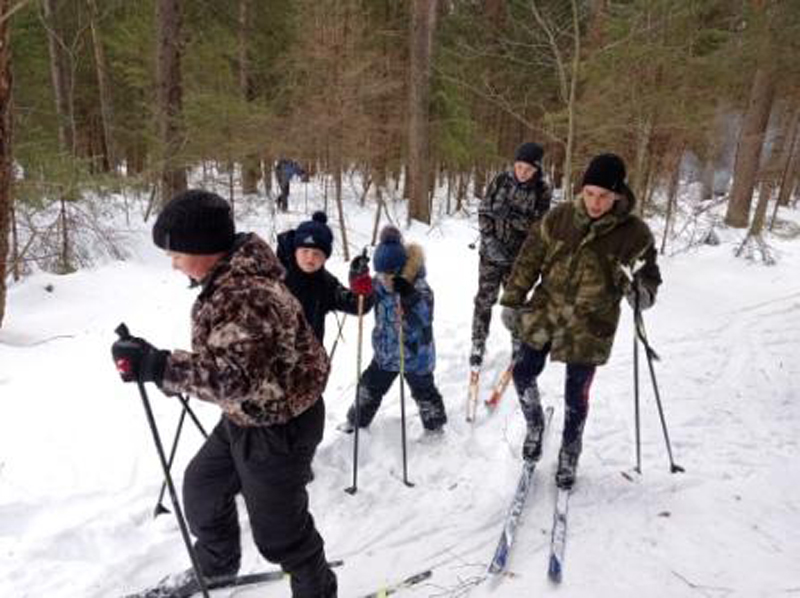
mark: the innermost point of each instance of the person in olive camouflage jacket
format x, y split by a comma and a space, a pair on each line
256, 357
513, 202
577, 259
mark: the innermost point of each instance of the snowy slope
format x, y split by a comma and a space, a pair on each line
79, 475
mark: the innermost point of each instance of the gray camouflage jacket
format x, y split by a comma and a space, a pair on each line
507, 212
253, 353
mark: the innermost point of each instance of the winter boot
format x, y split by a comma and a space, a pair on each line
346, 426
567, 469
532, 445
476, 355
531, 405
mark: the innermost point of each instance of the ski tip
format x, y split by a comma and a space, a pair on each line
554, 570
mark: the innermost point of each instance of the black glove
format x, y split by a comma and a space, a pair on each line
403, 288
359, 265
136, 359
638, 290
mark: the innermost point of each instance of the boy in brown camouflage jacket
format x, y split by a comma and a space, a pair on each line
576, 258
254, 355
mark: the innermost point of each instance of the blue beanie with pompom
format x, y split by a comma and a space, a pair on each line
390, 254
315, 233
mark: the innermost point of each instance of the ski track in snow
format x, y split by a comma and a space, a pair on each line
79, 475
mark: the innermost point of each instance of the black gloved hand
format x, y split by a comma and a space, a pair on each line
403, 288
359, 265
136, 359
638, 288
360, 279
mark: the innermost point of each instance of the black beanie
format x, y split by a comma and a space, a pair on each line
315, 233
530, 153
196, 222
606, 171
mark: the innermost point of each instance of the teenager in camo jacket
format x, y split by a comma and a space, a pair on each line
255, 356
575, 261
513, 202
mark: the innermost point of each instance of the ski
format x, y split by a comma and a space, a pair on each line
500, 388
401, 585
558, 537
472, 396
174, 587
503, 550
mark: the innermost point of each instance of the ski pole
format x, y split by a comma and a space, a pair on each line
354, 488
637, 421
402, 392
652, 355
160, 508
123, 333
338, 335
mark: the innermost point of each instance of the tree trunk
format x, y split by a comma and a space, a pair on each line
5, 152
250, 165
58, 77
378, 210
340, 208
170, 97
772, 169
571, 104
674, 165
790, 158
751, 142
106, 109
423, 22
644, 131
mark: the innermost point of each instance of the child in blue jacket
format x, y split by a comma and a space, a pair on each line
401, 293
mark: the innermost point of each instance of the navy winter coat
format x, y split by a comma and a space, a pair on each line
420, 349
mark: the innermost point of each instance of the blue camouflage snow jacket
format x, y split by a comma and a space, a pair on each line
417, 308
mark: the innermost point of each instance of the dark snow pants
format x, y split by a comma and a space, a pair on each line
270, 467
283, 198
375, 383
530, 363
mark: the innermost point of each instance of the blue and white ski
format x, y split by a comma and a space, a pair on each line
558, 537
501, 553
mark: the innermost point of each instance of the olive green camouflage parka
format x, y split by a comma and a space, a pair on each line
578, 265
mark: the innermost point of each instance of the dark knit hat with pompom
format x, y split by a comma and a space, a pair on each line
196, 222
315, 233
390, 254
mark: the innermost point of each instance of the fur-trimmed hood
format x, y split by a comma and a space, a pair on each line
415, 262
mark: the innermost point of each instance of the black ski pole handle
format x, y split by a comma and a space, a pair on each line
122, 331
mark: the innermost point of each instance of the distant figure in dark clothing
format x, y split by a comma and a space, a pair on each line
285, 169
303, 252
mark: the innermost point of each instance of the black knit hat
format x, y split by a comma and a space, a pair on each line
606, 171
197, 222
530, 153
315, 233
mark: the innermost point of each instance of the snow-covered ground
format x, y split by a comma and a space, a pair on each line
79, 476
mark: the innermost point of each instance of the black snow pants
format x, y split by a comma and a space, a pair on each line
375, 383
270, 466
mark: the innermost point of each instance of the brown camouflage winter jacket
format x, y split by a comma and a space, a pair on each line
577, 263
253, 353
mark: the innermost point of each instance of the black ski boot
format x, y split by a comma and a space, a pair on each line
567, 469
532, 445
534, 417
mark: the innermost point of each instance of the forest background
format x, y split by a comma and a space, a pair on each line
399, 97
